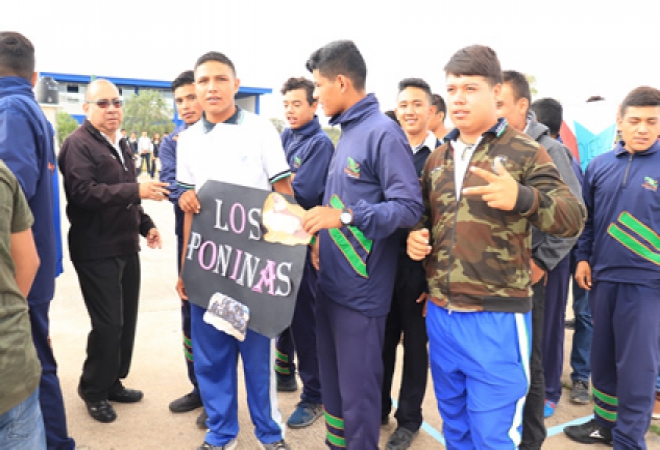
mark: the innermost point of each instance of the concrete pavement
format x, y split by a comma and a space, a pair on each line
159, 370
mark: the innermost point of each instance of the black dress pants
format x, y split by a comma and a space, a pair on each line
110, 288
534, 431
406, 316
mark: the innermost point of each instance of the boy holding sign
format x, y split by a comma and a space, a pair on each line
207, 155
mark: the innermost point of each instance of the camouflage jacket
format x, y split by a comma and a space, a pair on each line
481, 256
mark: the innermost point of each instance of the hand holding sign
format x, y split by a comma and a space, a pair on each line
501, 192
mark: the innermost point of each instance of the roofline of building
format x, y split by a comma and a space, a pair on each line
139, 82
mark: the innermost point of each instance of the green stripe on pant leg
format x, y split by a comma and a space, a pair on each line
607, 415
282, 356
610, 400
188, 355
334, 422
335, 440
282, 370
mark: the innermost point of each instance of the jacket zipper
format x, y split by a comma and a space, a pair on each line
625, 175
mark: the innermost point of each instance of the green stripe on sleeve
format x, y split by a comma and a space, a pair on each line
633, 244
638, 227
349, 252
336, 202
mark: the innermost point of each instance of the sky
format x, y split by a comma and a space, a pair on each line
575, 48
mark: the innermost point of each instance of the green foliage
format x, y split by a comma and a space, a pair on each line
531, 79
278, 124
333, 133
66, 125
148, 111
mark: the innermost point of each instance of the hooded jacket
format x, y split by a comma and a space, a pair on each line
26, 147
104, 205
372, 174
480, 258
548, 250
620, 239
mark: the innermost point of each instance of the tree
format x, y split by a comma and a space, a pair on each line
278, 124
148, 111
66, 125
333, 134
531, 79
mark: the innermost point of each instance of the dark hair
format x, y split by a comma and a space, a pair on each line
640, 97
595, 98
16, 55
476, 60
550, 113
416, 83
215, 56
439, 103
183, 79
392, 115
293, 84
340, 58
519, 85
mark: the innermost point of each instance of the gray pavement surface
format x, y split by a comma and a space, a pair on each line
158, 369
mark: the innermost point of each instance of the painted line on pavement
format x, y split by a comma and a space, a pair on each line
560, 428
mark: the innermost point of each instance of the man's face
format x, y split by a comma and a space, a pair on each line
514, 111
108, 119
133, 135
413, 109
144, 134
123, 133
328, 94
640, 127
471, 103
216, 87
187, 106
298, 111
437, 118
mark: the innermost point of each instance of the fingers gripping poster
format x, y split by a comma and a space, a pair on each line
245, 258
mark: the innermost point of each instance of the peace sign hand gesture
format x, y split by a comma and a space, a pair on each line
501, 192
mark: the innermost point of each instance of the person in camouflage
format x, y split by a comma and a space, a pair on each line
475, 237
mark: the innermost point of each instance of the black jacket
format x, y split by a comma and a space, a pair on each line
103, 196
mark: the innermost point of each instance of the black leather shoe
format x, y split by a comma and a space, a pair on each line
124, 395
101, 411
186, 403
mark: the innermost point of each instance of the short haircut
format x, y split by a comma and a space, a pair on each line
340, 58
416, 83
595, 98
640, 97
16, 55
550, 113
183, 79
477, 60
519, 84
439, 103
293, 84
215, 56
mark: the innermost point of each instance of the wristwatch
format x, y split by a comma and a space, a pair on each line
346, 216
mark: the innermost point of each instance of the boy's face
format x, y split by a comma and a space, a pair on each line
187, 106
413, 110
298, 111
640, 127
514, 111
436, 119
328, 93
471, 102
216, 87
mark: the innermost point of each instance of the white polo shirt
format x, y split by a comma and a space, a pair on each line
248, 153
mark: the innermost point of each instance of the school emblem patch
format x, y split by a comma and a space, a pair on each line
352, 168
296, 162
650, 184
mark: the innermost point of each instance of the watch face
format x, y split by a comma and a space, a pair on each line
345, 218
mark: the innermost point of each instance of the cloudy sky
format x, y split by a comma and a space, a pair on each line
575, 48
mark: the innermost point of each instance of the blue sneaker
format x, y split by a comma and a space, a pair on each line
549, 408
305, 414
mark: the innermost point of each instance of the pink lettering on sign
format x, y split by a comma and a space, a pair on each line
267, 278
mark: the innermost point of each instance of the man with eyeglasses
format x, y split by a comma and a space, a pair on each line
106, 218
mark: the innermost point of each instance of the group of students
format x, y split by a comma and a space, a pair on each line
145, 149
447, 241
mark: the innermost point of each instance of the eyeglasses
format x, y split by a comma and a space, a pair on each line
104, 103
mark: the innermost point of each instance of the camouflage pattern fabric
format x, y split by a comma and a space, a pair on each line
481, 256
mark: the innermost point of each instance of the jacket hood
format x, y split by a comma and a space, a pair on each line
357, 112
535, 129
15, 85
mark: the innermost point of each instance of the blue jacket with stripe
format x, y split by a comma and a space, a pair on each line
308, 151
620, 238
26, 147
372, 173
